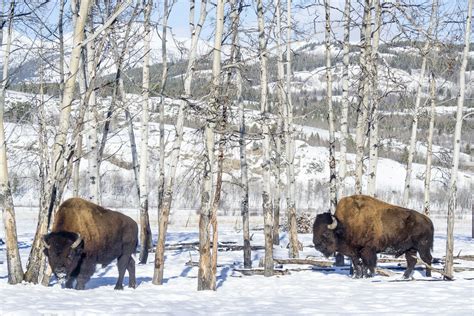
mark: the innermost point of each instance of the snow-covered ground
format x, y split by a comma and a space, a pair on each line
306, 292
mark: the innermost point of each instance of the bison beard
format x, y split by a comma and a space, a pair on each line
363, 226
84, 235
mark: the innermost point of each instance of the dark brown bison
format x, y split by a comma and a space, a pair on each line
363, 226
85, 234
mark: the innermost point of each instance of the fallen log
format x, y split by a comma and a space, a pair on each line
258, 271
196, 264
319, 263
465, 257
384, 272
222, 246
447, 277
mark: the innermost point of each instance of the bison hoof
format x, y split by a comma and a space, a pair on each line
118, 287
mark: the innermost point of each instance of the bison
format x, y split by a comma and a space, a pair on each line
363, 226
85, 234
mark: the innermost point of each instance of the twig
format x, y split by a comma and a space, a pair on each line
257, 271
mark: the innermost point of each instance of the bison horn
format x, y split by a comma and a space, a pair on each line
45, 243
77, 242
333, 225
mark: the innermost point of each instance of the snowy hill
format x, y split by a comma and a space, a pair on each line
311, 163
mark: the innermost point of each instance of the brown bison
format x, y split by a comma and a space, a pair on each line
85, 234
363, 226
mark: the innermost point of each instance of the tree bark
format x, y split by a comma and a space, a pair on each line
266, 194
210, 200
15, 271
93, 175
174, 158
164, 77
145, 231
290, 146
429, 151
374, 116
345, 100
448, 269
332, 138
236, 7
364, 89
280, 128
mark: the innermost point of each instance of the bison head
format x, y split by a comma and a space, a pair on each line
64, 252
324, 234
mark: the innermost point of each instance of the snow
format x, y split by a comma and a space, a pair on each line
305, 292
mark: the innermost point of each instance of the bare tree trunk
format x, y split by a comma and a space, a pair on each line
374, 123
448, 269
236, 7
131, 136
168, 192
145, 231
345, 100
15, 271
429, 151
164, 76
36, 261
290, 146
266, 193
61, 47
209, 201
77, 166
414, 127
332, 138
364, 100
92, 122
279, 132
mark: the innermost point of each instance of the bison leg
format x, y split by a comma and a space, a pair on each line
357, 264
427, 258
410, 255
369, 259
132, 282
69, 283
122, 264
87, 270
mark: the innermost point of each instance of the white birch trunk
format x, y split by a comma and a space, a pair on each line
448, 269
364, 99
61, 46
266, 187
345, 100
36, 260
164, 76
15, 271
332, 138
414, 127
374, 123
92, 124
174, 157
145, 231
429, 151
206, 273
236, 7
280, 128
290, 146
